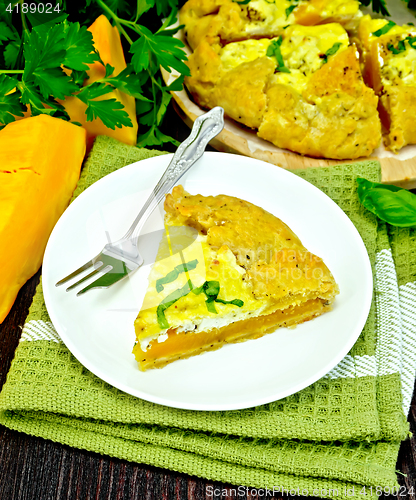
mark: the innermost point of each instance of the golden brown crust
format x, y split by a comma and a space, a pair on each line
336, 117
276, 261
206, 71
399, 109
210, 20
248, 230
241, 91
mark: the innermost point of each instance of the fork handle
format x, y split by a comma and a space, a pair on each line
205, 128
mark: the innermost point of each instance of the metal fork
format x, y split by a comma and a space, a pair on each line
117, 260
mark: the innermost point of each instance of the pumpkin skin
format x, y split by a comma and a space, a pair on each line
40, 163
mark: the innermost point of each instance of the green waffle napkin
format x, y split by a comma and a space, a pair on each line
337, 438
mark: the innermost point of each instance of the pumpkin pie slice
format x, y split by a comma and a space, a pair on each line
244, 274
388, 54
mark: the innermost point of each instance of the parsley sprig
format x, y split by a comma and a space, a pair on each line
45, 62
378, 6
330, 52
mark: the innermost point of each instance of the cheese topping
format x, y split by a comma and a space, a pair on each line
303, 50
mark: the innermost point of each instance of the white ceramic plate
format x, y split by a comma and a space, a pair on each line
98, 326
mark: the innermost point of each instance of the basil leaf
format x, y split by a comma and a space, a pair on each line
385, 29
274, 50
290, 9
412, 41
211, 306
392, 204
242, 2
170, 300
198, 290
235, 302
211, 290
330, 52
173, 275
401, 47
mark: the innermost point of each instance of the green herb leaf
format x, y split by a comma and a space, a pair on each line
9, 104
78, 45
5, 33
43, 49
401, 47
176, 85
412, 41
391, 204
38, 104
378, 6
211, 290
173, 275
11, 53
290, 9
163, 7
78, 77
274, 50
330, 52
170, 300
242, 2
167, 51
54, 81
109, 70
127, 82
211, 306
235, 302
385, 29
110, 112
163, 107
155, 137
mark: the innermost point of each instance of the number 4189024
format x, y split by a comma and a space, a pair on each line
41, 8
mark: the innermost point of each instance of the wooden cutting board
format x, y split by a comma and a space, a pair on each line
398, 169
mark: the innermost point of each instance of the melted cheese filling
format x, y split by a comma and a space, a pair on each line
270, 16
400, 69
303, 50
395, 69
213, 265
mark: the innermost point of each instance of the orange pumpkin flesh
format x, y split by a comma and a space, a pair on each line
186, 344
40, 162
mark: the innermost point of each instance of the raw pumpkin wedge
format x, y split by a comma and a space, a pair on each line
40, 163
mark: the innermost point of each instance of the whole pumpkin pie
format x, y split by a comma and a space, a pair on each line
242, 275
